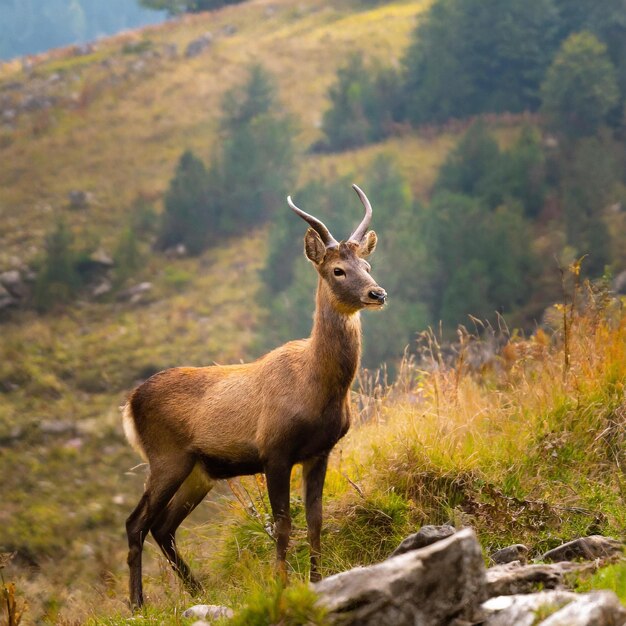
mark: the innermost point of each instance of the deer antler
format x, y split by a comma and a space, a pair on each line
317, 225
358, 234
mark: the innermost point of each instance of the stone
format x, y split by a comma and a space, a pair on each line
514, 578
587, 548
135, 293
522, 610
13, 283
430, 586
56, 427
599, 608
208, 611
10, 277
516, 552
101, 257
102, 288
425, 536
79, 199
619, 283
176, 252
199, 45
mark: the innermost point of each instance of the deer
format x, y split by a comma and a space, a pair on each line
197, 425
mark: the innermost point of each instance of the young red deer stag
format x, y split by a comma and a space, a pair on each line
195, 425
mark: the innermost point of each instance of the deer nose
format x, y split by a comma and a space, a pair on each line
378, 295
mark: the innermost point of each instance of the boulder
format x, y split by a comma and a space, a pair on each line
425, 536
599, 608
619, 283
101, 257
555, 608
6, 299
514, 578
516, 552
79, 199
13, 283
587, 548
429, 586
523, 610
135, 293
199, 45
208, 612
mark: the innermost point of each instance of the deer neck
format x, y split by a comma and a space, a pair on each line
335, 343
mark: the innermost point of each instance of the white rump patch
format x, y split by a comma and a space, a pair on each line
128, 422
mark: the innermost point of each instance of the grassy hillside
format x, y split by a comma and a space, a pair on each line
443, 443
115, 118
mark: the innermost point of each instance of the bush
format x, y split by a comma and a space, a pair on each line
365, 103
580, 87
482, 258
188, 212
58, 279
473, 56
254, 170
478, 168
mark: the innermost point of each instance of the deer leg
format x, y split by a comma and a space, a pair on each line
185, 500
163, 482
314, 473
278, 477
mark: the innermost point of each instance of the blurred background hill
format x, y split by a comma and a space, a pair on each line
143, 221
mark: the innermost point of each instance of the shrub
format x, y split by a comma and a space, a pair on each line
58, 279
580, 87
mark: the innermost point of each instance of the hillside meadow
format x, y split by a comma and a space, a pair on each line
525, 447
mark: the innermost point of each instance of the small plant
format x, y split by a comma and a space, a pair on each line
292, 606
14, 612
58, 279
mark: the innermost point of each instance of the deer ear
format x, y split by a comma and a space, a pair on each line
368, 244
314, 247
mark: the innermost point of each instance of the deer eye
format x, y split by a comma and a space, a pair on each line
339, 272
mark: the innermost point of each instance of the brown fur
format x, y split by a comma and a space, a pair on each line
195, 425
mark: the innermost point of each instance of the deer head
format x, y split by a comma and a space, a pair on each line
342, 267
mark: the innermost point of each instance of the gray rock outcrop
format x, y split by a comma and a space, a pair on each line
516, 552
430, 587
199, 45
588, 548
425, 536
208, 612
556, 608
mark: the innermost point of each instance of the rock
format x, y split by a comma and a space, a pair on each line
135, 293
599, 608
56, 427
430, 586
522, 610
619, 283
516, 552
208, 611
79, 199
587, 548
514, 578
229, 30
13, 284
176, 252
6, 299
100, 257
170, 50
425, 536
101, 288
199, 45
82, 49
